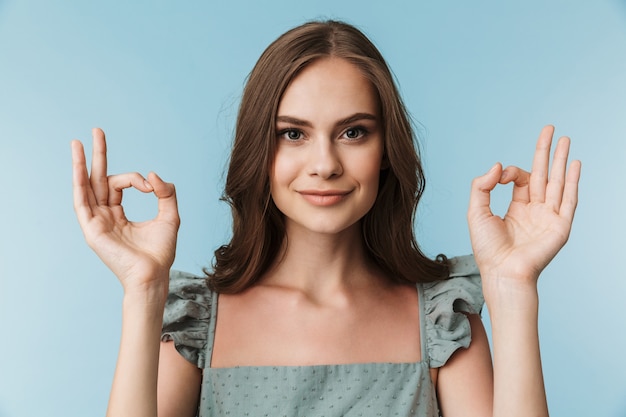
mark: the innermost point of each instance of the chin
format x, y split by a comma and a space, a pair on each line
325, 227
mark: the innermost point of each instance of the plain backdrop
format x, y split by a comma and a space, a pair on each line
164, 79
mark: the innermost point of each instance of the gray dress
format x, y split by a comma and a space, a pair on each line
367, 389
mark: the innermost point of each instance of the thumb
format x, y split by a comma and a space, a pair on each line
166, 195
480, 194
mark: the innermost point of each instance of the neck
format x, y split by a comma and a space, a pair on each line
319, 264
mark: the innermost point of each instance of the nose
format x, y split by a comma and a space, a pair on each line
324, 160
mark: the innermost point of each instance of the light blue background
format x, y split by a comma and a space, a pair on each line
163, 79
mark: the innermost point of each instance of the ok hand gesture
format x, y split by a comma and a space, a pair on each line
518, 247
139, 254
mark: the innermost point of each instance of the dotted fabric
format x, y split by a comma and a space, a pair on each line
370, 389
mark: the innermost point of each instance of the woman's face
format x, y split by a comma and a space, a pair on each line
329, 151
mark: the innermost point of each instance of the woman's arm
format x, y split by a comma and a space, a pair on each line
518, 377
179, 384
465, 382
140, 255
511, 252
134, 390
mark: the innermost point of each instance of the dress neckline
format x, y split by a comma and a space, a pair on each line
423, 341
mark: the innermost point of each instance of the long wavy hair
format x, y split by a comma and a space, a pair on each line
258, 225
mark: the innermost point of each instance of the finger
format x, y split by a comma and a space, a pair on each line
570, 191
480, 194
520, 179
539, 173
117, 183
99, 167
166, 193
554, 190
81, 188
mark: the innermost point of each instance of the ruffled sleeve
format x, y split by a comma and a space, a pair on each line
186, 316
446, 327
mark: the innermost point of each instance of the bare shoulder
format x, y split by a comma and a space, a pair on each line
465, 382
179, 384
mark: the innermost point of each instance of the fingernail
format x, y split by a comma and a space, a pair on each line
493, 168
147, 184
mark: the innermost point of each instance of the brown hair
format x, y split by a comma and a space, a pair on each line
258, 226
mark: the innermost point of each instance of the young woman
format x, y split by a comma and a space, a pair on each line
322, 303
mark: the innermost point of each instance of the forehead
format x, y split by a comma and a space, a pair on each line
329, 88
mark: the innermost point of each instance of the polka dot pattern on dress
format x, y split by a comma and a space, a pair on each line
373, 389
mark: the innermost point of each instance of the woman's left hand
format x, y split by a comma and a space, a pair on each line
518, 247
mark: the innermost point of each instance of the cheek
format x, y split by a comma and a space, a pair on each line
369, 167
282, 171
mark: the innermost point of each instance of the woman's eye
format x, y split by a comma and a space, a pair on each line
354, 133
291, 134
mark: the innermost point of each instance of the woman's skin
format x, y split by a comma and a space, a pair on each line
326, 301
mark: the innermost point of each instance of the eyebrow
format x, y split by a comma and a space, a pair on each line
348, 120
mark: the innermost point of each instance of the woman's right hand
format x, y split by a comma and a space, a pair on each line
139, 254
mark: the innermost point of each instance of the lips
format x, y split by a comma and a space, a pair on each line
324, 197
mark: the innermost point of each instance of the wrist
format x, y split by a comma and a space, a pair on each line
510, 294
142, 314
153, 294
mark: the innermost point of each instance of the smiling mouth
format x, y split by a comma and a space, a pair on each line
324, 198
